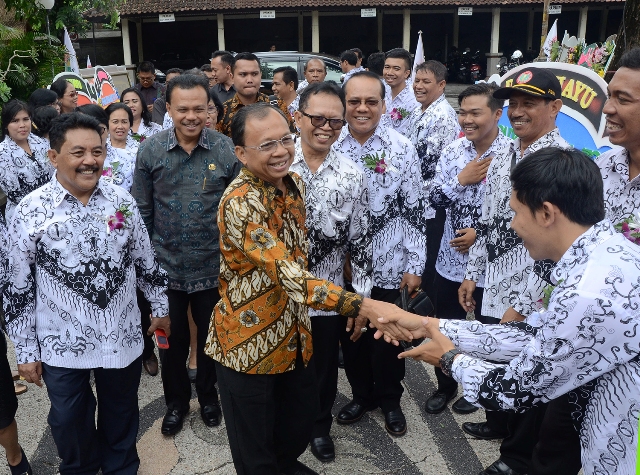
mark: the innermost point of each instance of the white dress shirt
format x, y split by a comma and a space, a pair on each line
430, 132
396, 201
621, 195
337, 202
122, 162
21, 173
405, 100
71, 300
586, 342
463, 203
498, 252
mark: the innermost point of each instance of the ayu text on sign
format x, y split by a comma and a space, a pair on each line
267, 14
166, 17
367, 12
465, 11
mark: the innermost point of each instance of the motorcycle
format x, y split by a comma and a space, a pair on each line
505, 66
475, 70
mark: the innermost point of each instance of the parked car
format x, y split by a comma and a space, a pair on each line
186, 60
271, 60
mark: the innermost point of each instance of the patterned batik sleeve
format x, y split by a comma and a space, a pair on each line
582, 336
142, 187
477, 263
19, 295
528, 301
151, 278
445, 187
246, 228
360, 245
4, 251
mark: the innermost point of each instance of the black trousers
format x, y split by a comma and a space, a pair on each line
524, 429
269, 417
435, 229
175, 380
558, 449
8, 399
448, 307
83, 447
326, 331
145, 311
372, 366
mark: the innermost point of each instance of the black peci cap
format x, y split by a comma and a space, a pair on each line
539, 82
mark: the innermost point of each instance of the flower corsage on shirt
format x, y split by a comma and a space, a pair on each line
118, 220
377, 163
543, 303
630, 228
398, 113
110, 172
138, 137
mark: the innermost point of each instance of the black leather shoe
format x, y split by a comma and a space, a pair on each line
351, 413
151, 365
211, 415
300, 469
481, 430
498, 468
437, 402
462, 406
323, 449
172, 422
395, 423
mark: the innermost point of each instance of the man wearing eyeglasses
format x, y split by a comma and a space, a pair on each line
179, 179
397, 227
337, 203
148, 87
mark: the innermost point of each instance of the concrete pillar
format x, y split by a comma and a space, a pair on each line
456, 29
220, 18
139, 37
315, 31
406, 28
379, 17
530, 30
300, 32
582, 22
603, 24
493, 58
126, 44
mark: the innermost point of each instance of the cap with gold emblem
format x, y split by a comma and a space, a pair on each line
540, 82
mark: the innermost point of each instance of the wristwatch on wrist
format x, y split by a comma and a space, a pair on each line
446, 361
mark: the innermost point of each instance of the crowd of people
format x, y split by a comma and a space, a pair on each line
272, 237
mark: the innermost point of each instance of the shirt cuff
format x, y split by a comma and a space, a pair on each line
349, 304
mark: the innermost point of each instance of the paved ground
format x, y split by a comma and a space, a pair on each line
433, 445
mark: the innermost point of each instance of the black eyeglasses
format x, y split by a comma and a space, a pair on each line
367, 102
319, 121
288, 140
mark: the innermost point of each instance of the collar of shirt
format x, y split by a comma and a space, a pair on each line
131, 144
329, 161
429, 110
381, 132
581, 248
619, 163
203, 141
270, 189
36, 144
406, 96
220, 87
550, 139
236, 104
59, 192
499, 144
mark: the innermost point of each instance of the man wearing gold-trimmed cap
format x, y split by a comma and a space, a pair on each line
514, 282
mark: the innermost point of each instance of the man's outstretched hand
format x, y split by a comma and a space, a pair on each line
163, 323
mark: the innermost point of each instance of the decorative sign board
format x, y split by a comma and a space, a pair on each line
465, 11
166, 17
367, 12
267, 14
555, 9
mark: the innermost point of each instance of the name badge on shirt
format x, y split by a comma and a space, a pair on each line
212, 166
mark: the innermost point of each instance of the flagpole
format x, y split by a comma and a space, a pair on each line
545, 29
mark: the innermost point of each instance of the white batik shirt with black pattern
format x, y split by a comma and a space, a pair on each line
148, 130
396, 201
121, 163
430, 132
4, 250
348, 75
405, 100
462, 203
71, 297
621, 195
337, 203
21, 173
585, 343
498, 252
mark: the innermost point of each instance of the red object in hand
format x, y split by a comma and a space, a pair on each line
161, 339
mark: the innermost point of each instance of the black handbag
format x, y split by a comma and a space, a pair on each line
419, 303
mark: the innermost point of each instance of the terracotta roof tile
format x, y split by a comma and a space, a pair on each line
135, 7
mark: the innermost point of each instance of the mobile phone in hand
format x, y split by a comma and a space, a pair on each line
161, 339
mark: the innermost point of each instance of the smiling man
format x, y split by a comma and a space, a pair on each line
78, 247
179, 179
402, 101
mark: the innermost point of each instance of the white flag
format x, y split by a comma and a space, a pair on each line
73, 60
551, 37
419, 57
89, 62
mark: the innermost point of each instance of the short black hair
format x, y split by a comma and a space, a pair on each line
206, 68
178, 71
246, 57
482, 89
326, 87
375, 63
349, 56
146, 115
41, 120
111, 108
358, 52
41, 97
288, 75
146, 67
438, 69
187, 81
9, 111
71, 121
259, 110
315, 58
566, 178
225, 57
630, 59
400, 53
368, 74
95, 111
195, 72
59, 86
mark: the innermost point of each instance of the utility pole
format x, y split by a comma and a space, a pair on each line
545, 29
